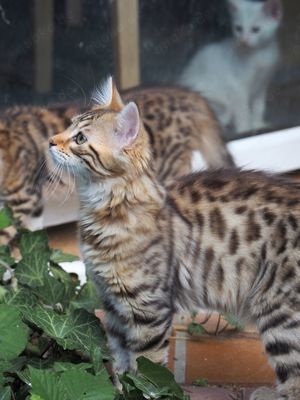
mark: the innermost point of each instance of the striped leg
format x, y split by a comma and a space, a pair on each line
121, 355
280, 333
117, 342
159, 356
263, 394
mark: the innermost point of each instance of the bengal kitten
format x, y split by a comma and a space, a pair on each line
177, 122
223, 240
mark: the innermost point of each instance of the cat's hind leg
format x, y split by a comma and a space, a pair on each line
280, 332
263, 393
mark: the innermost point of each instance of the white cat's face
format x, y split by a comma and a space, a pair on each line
255, 23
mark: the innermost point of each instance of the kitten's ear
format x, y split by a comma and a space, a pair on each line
107, 95
273, 8
116, 101
233, 5
128, 125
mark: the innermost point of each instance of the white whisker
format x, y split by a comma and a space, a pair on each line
68, 191
56, 177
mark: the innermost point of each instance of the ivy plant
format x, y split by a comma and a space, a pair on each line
52, 346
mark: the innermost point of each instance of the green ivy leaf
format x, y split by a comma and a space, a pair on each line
235, 322
5, 255
78, 329
44, 384
195, 329
66, 366
3, 293
159, 376
22, 299
81, 385
40, 363
55, 325
57, 256
34, 242
6, 217
62, 276
4, 366
33, 267
5, 393
52, 292
13, 366
87, 333
36, 397
87, 298
14, 333
97, 358
24, 375
147, 388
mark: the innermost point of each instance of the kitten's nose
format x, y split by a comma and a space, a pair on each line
51, 143
245, 42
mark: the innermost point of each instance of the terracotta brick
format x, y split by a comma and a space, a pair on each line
237, 358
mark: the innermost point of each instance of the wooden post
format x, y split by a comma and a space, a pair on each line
289, 33
125, 32
43, 43
74, 12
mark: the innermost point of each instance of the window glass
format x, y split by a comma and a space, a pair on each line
80, 34
242, 55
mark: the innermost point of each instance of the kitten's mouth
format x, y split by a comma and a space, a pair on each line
245, 45
57, 156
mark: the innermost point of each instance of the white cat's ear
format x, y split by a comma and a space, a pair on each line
233, 5
128, 125
107, 95
273, 8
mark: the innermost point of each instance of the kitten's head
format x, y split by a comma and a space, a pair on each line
255, 23
107, 142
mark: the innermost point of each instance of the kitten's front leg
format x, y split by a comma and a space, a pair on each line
123, 359
258, 112
242, 116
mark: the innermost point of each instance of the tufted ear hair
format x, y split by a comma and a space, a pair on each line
273, 8
116, 100
128, 125
107, 95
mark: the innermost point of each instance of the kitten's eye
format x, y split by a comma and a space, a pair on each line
80, 138
239, 28
255, 29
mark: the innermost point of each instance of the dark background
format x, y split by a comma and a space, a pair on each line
171, 31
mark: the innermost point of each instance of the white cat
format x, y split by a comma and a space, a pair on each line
234, 74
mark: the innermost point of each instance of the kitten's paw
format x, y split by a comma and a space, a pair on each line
263, 394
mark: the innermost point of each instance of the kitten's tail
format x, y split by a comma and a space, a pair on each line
208, 138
